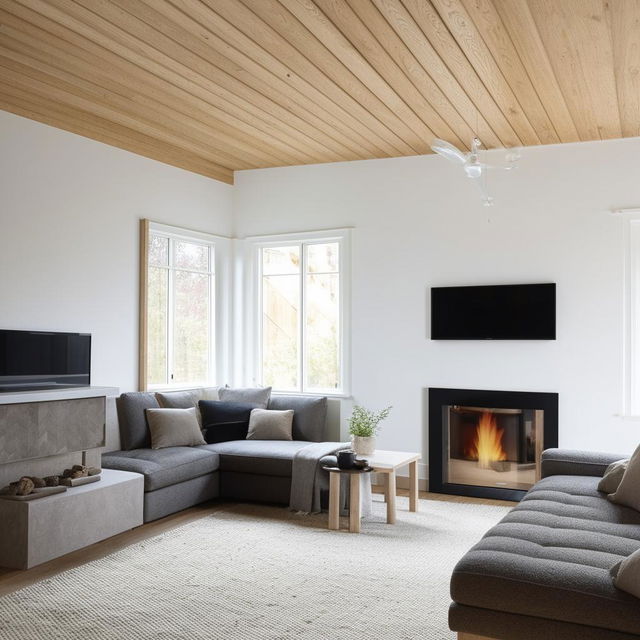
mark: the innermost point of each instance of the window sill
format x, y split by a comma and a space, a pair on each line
309, 394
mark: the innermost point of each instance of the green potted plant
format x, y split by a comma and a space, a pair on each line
363, 427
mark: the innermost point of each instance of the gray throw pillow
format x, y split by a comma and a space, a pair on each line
174, 428
258, 396
613, 476
187, 399
628, 493
626, 574
265, 424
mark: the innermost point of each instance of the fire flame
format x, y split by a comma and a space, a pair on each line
487, 444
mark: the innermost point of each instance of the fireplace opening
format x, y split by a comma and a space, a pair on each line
488, 443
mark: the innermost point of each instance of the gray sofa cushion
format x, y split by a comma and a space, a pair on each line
569, 462
309, 415
134, 431
262, 457
258, 396
164, 467
557, 545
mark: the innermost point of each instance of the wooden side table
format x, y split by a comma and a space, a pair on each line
355, 504
387, 462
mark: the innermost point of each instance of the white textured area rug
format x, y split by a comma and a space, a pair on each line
251, 572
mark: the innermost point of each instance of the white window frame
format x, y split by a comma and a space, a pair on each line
219, 273
253, 289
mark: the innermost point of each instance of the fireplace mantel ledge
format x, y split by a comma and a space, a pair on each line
47, 395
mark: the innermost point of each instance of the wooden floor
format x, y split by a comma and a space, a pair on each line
13, 579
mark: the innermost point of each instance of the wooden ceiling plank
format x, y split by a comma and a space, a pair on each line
519, 23
429, 60
117, 76
223, 39
37, 108
265, 36
625, 28
498, 42
361, 101
84, 98
452, 55
577, 35
322, 28
307, 148
373, 37
187, 57
468, 37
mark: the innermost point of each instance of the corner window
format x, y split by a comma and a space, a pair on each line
178, 330
301, 308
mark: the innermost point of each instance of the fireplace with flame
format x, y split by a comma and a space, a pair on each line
488, 443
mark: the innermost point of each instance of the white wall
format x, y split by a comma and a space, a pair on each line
69, 234
419, 223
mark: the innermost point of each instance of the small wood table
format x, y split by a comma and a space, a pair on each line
355, 505
387, 462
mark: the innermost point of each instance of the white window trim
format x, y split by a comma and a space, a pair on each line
220, 297
253, 304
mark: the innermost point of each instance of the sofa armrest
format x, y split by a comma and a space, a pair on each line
568, 462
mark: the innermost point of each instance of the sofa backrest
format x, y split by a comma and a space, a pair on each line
132, 419
309, 415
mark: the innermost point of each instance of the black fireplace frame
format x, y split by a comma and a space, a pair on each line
439, 397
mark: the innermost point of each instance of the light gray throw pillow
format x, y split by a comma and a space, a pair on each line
613, 476
258, 396
174, 428
267, 424
628, 493
626, 574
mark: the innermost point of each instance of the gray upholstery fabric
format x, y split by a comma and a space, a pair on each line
254, 487
163, 467
309, 415
557, 545
134, 432
270, 424
262, 457
179, 399
510, 626
258, 395
568, 462
176, 497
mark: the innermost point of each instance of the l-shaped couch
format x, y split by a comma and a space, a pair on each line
176, 478
542, 573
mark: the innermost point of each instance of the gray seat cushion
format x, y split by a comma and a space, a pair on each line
309, 415
556, 546
134, 431
262, 457
164, 467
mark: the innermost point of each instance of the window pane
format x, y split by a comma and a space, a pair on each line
280, 331
158, 250
322, 326
157, 325
189, 255
322, 258
280, 260
190, 327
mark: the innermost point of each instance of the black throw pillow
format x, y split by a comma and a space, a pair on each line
225, 421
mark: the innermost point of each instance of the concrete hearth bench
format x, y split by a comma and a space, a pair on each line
543, 571
176, 478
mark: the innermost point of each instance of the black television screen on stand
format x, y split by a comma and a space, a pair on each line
500, 312
33, 360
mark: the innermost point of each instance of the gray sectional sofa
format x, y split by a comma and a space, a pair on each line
543, 571
176, 478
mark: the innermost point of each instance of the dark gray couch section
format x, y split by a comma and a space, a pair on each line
556, 546
309, 416
132, 420
175, 497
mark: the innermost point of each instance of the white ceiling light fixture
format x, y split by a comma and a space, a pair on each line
471, 164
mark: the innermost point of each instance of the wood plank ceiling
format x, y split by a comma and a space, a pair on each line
214, 86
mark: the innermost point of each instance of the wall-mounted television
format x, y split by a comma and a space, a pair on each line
501, 312
31, 360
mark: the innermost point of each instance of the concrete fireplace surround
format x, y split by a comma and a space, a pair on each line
41, 433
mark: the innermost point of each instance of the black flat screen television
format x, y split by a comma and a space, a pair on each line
31, 360
502, 312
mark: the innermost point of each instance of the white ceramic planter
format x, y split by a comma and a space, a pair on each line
363, 446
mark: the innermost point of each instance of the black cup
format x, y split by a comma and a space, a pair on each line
346, 459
